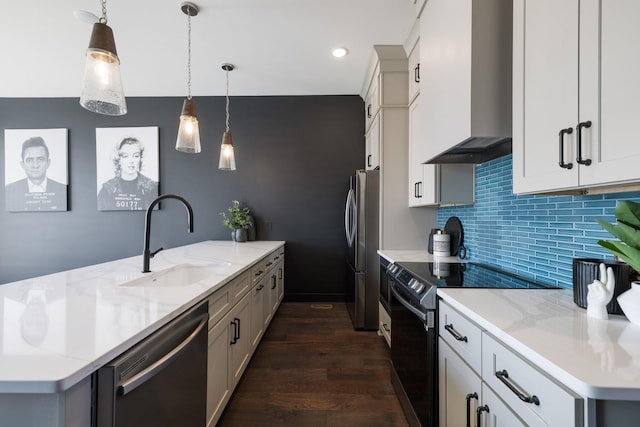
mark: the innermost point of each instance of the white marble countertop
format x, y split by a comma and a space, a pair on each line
57, 329
599, 359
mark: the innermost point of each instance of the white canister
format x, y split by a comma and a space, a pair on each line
441, 243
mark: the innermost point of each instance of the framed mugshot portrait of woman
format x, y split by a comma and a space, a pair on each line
127, 168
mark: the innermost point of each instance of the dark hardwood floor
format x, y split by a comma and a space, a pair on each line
312, 369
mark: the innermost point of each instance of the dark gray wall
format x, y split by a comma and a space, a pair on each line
294, 156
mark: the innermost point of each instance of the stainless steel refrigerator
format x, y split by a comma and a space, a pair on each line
361, 217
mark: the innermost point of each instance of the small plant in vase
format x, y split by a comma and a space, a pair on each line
627, 229
237, 221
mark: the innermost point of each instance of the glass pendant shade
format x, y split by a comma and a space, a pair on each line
102, 92
227, 157
189, 132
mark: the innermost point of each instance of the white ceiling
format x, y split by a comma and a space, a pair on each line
279, 47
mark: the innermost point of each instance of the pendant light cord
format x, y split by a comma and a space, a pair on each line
227, 106
103, 19
189, 52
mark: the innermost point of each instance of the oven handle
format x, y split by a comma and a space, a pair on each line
408, 306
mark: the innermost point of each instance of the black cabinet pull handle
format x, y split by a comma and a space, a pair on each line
369, 111
280, 273
504, 377
369, 160
469, 397
479, 411
419, 189
274, 282
455, 333
564, 165
415, 190
416, 74
579, 128
259, 288
235, 332
386, 327
238, 320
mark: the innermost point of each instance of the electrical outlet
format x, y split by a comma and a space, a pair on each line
267, 225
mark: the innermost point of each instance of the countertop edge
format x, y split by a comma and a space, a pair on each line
577, 385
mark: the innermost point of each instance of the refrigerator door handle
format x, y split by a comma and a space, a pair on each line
349, 218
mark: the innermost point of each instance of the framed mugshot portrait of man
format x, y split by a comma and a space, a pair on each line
127, 168
36, 174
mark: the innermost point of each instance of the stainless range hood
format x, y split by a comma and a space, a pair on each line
475, 150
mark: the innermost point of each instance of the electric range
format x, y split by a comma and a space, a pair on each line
414, 329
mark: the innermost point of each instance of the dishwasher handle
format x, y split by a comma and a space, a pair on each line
139, 379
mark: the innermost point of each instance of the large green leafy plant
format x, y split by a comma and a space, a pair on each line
627, 229
237, 217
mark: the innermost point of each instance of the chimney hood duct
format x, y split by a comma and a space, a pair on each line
467, 101
474, 150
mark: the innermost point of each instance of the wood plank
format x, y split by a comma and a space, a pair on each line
312, 369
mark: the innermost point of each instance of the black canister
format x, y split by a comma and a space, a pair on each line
586, 270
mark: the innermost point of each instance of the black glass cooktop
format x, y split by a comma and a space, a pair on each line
467, 275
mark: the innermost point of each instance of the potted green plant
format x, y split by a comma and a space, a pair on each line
627, 229
236, 220
627, 248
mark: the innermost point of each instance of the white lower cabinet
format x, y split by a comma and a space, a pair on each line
259, 294
484, 383
239, 314
219, 380
384, 324
460, 388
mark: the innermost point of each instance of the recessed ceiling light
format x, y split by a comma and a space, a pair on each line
339, 52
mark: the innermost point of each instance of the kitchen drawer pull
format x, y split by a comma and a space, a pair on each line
469, 397
579, 128
562, 164
259, 288
369, 160
479, 411
416, 74
386, 327
369, 111
504, 377
455, 333
269, 264
259, 272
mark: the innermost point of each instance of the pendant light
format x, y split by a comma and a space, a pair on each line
189, 133
102, 92
227, 157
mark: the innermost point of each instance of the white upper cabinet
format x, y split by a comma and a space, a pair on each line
414, 72
465, 70
575, 94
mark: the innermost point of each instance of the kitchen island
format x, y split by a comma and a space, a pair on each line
58, 329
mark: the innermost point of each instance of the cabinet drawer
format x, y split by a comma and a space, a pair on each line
556, 405
384, 326
258, 270
239, 287
219, 304
462, 335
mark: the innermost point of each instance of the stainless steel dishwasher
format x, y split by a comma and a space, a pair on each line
162, 381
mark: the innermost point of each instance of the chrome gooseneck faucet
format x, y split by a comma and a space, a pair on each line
147, 254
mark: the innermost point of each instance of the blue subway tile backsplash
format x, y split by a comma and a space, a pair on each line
536, 236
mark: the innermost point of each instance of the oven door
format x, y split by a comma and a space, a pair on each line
414, 359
